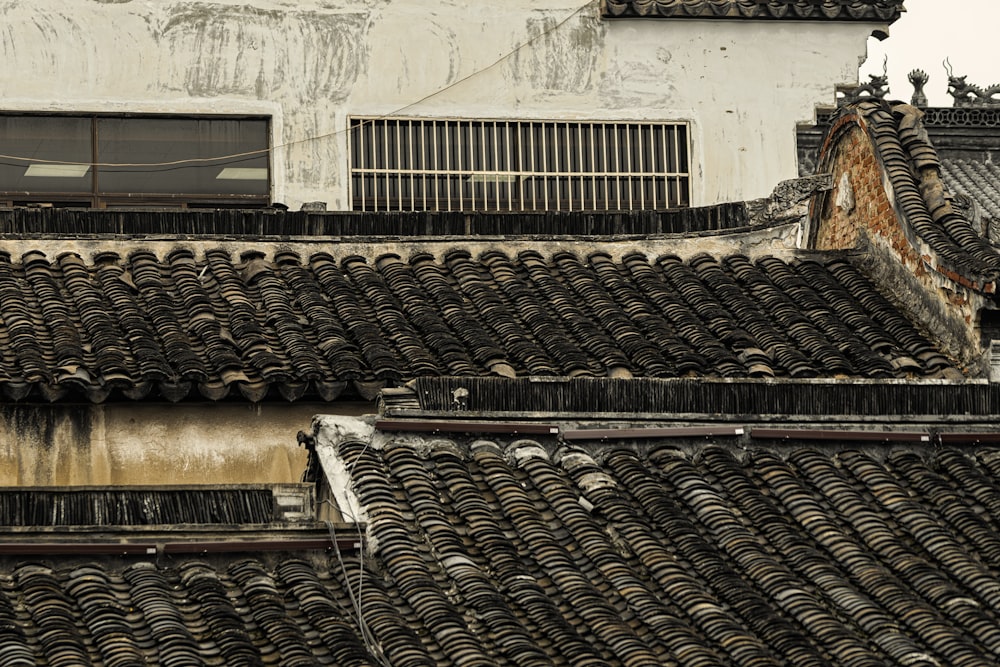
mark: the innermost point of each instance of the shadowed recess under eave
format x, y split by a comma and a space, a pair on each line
271, 222
707, 396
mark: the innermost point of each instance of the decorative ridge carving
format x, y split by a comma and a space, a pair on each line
969, 95
938, 117
797, 10
876, 89
918, 78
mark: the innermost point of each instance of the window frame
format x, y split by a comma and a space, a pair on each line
94, 197
503, 152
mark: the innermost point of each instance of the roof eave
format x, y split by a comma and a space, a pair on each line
887, 11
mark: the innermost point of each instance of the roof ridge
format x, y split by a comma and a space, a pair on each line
798, 10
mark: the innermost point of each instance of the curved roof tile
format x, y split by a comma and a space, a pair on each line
798, 10
917, 175
232, 611
219, 325
809, 557
977, 179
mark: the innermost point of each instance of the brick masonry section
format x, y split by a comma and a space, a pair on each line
859, 215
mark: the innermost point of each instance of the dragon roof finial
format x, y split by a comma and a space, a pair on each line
877, 88
969, 95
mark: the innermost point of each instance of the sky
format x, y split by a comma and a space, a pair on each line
964, 31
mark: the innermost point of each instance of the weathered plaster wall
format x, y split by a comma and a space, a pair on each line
310, 64
69, 445
860, 213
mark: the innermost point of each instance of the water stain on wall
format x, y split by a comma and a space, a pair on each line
44, 445
265, 53
562, 58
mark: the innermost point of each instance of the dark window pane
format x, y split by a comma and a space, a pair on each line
47, 146
183, 156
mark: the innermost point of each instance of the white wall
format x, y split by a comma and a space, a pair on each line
309, 64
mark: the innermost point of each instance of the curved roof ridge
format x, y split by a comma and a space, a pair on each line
914, 169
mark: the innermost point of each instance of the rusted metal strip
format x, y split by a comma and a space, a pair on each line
77, 548
260, 545
423, 426
150, 549
968, 438
649, 433
849, 436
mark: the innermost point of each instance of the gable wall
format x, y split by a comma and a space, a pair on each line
860, 213
742, 85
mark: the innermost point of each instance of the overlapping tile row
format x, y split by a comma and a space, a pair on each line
840, 10
914, 168
231, 611
978, 179
295, 324
527, 552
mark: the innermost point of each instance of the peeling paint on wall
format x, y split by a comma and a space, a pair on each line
43, 444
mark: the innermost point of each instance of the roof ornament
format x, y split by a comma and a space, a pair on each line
876, 89
967, 94
919, 79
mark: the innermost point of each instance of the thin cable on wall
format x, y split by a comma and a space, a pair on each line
318, 137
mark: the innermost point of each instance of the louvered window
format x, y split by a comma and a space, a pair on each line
98, 160
412, 164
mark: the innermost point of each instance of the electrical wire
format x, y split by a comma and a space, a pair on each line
356, 598
264, 151
356, 601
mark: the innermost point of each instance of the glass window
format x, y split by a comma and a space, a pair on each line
185, 156
45, 155
112, 160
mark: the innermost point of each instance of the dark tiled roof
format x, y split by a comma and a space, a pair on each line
722, 398
525, 552
914, 168
798, 10
224, 611
977, 179
315, 322
135, 506
522, 552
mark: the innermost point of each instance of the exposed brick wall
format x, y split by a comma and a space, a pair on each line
849, 151
859, 214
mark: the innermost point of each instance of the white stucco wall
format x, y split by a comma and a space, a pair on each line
309, 64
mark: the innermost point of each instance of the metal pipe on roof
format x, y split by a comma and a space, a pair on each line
849, 436
422, 426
